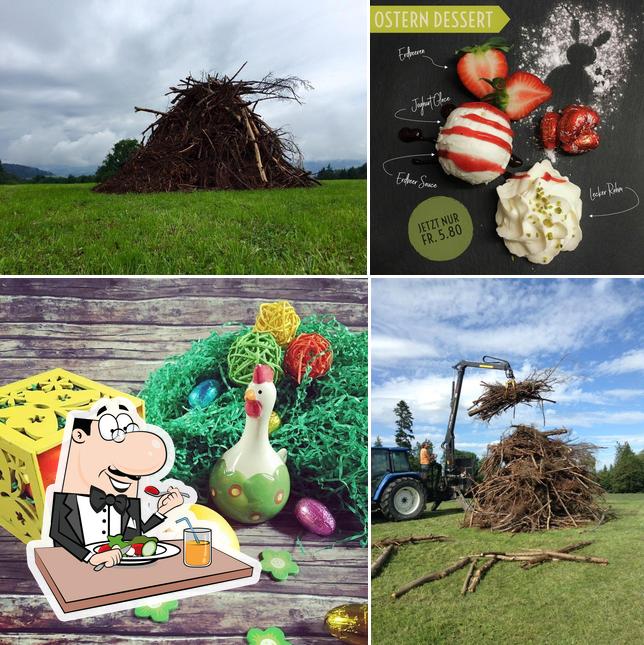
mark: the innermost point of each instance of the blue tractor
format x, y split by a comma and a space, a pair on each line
400, 492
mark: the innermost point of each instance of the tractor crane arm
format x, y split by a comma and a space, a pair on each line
488, 363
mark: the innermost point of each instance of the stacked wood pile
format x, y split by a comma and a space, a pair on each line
536, 480
211, 137
499, 397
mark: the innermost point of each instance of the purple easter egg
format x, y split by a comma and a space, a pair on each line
314, 516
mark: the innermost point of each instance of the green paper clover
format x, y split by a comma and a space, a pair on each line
271, 636
158, 613
278, 563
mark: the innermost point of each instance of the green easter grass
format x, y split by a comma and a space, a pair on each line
324, 421
68, 229
556, 603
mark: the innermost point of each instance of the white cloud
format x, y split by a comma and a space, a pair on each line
503, 317
631, 361
623, 394
388, 349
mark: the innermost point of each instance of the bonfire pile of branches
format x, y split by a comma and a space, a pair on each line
536, 480
211, 137
499, 397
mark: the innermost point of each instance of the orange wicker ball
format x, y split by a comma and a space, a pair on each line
308, 350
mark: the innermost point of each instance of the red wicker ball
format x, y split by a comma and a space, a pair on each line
305, 350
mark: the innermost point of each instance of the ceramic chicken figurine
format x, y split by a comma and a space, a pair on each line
250, 482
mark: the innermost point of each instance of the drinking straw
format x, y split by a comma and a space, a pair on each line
189, 523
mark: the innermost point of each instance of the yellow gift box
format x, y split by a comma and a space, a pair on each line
32, 419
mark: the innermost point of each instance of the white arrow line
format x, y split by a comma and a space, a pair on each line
434, 64
619, 212
402, 118
391, 174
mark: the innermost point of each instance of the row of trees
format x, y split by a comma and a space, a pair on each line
626, 475
125, 148
355, 172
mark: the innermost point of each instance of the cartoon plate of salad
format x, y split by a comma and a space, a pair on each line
141, 549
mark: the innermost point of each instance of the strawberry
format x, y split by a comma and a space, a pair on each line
549, 125
483, 61
519, 94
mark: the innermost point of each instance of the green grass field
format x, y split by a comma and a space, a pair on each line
68, 229
557, 603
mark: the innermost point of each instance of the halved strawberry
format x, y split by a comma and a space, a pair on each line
518, 94
549, 130
481, 62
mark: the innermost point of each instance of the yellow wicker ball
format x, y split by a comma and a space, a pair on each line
278, 318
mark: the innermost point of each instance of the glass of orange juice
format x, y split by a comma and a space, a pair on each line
197, 551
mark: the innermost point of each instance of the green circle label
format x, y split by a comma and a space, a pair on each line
440, 228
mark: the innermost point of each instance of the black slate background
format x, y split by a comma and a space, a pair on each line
611, 245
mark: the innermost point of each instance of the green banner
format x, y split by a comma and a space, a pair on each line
457, 19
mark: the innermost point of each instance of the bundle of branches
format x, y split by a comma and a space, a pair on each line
536, 480
528, 558
212, 137
499, 397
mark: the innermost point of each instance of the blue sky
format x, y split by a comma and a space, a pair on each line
593, 328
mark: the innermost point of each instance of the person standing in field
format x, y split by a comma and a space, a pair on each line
426, 457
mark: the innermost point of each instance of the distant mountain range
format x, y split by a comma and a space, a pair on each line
25, 172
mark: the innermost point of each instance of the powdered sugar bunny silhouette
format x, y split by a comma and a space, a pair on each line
571, 83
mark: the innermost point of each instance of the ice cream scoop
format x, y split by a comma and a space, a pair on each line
475, 144
539, 213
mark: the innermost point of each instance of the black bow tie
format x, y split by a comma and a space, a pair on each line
99, 499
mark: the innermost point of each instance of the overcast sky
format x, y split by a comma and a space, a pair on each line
71, 72
420, 328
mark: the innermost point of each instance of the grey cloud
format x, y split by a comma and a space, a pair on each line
72, 71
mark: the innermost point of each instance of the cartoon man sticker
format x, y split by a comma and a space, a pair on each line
108, 455
94, 516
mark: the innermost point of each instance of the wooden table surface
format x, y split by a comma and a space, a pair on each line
117, 331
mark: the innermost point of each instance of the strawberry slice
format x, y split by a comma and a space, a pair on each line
518, 94
483, 61
549, 125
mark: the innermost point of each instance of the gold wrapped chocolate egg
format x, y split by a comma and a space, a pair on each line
274, 422
349, 623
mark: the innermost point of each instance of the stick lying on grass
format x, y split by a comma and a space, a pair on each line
412, 539
474, 575
392, 543
377, 566
499, 397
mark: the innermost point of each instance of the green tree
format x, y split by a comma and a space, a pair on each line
378, 442
628, 471
119, 154
605, 478
405, 424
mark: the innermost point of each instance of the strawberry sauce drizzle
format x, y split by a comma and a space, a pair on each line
494, 124
488, 107
546, 177
477, 134
467, 163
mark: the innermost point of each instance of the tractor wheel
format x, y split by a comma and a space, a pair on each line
403, 499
